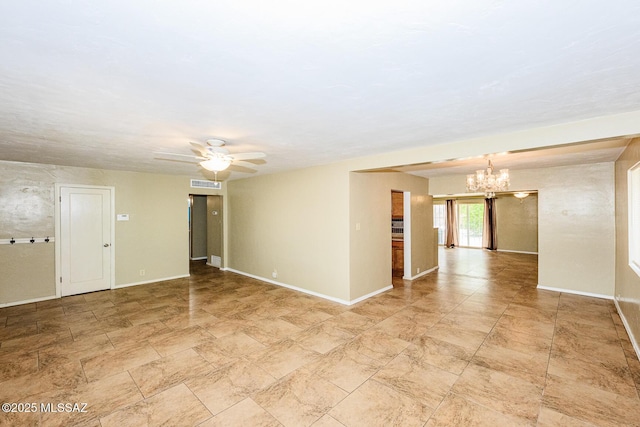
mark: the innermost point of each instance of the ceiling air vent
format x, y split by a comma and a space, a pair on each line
200, 183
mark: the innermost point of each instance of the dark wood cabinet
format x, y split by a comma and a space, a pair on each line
397, 256
397, 205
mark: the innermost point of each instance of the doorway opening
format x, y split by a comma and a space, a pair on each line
205, 231
400, 233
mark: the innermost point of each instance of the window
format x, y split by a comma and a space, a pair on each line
634, 218
440, 221
470, 224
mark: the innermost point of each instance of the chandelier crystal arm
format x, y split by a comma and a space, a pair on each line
487, 182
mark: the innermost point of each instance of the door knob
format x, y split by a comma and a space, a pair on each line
106, 245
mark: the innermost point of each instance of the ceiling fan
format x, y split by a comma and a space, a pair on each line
215, 157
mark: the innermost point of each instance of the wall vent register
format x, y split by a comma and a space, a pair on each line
200, 183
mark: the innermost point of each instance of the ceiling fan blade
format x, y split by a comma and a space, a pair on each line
199, 148
239, 168
243, 164
248, 156
178, 157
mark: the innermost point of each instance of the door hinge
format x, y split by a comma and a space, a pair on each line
60, 279
60, 199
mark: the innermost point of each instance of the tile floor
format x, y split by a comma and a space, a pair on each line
472, 344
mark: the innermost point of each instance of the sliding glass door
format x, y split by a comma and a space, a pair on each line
470, 223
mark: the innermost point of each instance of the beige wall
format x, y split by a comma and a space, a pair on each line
295, 224
215, 224
627, 288
27, 272
154, 239
370, 225
517, 223
424, 238
576, 238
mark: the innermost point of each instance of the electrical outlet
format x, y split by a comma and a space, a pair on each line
418, 270
142, 272
274, 274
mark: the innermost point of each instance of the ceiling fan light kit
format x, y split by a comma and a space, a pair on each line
215, 157
216, 163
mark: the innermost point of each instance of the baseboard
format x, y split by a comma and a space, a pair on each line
417, 276
27, 301
571, 291
369, 295
146, 282
308, 292
517, 252
284, 285
200, 258
632, 338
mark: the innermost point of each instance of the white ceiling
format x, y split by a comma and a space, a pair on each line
106, 83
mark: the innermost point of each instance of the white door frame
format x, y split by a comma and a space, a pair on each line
406, 217
58, 236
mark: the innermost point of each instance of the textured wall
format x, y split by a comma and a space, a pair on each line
627, 289
517, 223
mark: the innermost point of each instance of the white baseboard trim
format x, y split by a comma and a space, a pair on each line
417, 276
369, 295
571, 291
632, 338
308, 292
27, 301
146, 282
200, 258
126, 285
284, 285
517, 252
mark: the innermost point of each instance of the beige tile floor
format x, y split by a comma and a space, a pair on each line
472, 344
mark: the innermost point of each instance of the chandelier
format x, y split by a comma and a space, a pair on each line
486, 181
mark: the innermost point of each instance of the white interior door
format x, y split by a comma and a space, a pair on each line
85, 239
